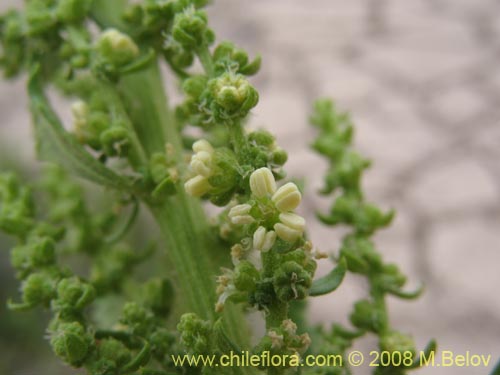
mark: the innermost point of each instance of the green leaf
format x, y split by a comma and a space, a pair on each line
330, 282
496, 370
430, 348
56, 145
407, 295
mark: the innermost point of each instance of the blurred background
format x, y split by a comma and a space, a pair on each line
421, 80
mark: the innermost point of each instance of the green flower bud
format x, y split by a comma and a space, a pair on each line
392, 277
89, 129
113, 354
38, 252
229, 58
195, 333
245, 276
194, 86
74, 294
360, 254
73, 10
367, 316
261, 138
397, 342
190, 28
137, 317
38, 289
263, 295
115, 141
158, 295
161, 342
39, 18
117, 48
279, 156
71, 343
291, 281
233, 96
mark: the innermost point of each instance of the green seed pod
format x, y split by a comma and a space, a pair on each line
38, 289
360, 254
71, 343
366, 316
116, 48
397, 342
190, 28
245, 276
291, 281
158, 295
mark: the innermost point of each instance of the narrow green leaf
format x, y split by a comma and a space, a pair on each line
425, 354
56, 145
407, 295
330, 282
496, 370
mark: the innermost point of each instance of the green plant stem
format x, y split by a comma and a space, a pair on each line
193, 250
206, 60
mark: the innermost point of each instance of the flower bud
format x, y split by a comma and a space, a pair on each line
366, 316
262, 182
287, 197
38, 288
291, 281
74, 293
71, 343
263, 240
245, 276
201, 163
233, 94
291, 227
239, 214
115, 141
397, 342
190, 28
197, 186
203, 145
117, 48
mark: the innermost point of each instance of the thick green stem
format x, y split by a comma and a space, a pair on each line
193, 250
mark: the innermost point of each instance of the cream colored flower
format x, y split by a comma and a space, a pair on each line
262, 182
287, 197
263, 240
291, 227
239, 214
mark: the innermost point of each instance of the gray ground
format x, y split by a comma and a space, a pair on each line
422, 82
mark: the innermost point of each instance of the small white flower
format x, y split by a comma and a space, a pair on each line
290, 227
197, 186
263, 240
287, 197
239, 214
262, 182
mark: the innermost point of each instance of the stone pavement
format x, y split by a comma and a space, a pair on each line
421, 80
